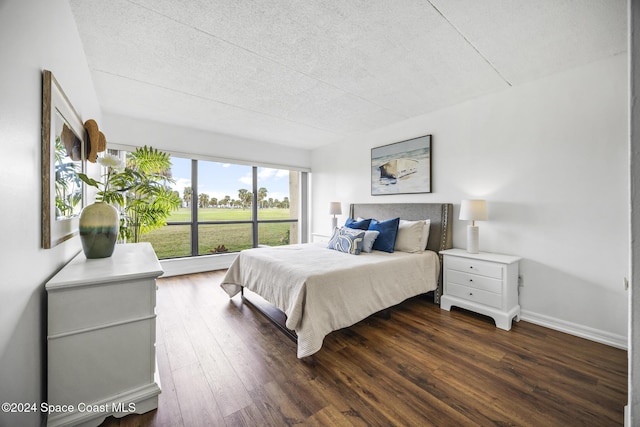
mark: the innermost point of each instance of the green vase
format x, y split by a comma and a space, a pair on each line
99, 224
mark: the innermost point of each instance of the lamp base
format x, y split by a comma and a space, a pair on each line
473, 239
334, 223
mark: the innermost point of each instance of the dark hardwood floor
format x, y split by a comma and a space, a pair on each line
223, 364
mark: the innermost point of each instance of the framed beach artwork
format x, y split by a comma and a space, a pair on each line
402, 168
63, 157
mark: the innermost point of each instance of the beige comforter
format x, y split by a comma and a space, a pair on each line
322, 290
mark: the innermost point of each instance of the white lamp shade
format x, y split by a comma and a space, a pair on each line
335, 208
473, 210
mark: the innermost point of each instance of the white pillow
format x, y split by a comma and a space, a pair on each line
425, 233
369, 239
410, 236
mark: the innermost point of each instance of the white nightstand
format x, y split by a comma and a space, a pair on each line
320, 238
485, 283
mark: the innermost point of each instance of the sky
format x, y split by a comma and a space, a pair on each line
224, 179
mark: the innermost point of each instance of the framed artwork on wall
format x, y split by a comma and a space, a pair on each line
63, 157
402, 168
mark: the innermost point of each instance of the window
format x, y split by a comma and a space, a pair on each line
230, 207
277, 205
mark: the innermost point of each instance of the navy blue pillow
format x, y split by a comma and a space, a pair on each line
358, 225
388, 229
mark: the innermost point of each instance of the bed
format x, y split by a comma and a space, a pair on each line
320, 290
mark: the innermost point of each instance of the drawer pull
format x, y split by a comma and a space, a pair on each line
470, 293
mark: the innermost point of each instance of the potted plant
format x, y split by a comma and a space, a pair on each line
140, 190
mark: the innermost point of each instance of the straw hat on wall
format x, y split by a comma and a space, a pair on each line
97, 142
71, 143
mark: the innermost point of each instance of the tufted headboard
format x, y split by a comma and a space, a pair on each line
440, 214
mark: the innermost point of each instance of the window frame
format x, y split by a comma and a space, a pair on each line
195, 223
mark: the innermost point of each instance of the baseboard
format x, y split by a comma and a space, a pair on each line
603, 337
179, 266
627, 421
139, 401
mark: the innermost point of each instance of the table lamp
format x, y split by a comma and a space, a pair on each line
335, 208
473, 210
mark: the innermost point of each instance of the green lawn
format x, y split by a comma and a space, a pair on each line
215, 214
175, 240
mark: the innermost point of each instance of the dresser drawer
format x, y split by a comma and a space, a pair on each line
72, 309
482, 268
100, 363
475, 281
473, 294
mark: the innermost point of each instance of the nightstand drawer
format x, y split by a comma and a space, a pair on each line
475, 281
473, 294
482, 268
320, 238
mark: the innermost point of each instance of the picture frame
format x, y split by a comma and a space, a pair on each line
63, 157
402, 167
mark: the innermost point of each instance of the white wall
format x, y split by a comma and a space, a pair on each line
35, 34
551, 159
134, 132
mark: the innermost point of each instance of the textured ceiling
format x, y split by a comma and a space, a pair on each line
310, 72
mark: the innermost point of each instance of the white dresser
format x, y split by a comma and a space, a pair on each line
486, 283
101, 337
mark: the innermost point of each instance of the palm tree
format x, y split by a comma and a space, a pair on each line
186, 195
262, 195
203, 200
245, 197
